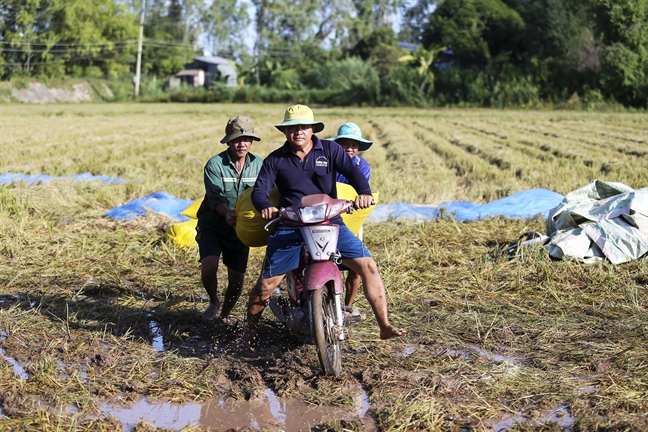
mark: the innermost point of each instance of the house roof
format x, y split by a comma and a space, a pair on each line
212, 59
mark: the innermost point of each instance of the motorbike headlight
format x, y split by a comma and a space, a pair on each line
292, 215
313, 214
336, 209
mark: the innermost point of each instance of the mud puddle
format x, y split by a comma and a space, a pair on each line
157, 341
472, 350
559, 416
18, 369
269, 413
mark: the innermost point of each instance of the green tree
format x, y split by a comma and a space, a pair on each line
423, 60
622, 27
226, 23
73, 37
169, 37
478, 31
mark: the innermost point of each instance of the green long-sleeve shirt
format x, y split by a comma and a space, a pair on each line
223, 185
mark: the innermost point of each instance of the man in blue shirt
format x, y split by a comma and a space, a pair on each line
349, 136
306, 165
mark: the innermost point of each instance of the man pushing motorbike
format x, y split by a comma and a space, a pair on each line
306, 165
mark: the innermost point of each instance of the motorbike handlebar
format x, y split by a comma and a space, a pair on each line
350, 209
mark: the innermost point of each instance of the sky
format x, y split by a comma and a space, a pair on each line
250, 34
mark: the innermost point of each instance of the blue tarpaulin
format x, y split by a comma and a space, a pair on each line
160, 202
8, 177
525, 204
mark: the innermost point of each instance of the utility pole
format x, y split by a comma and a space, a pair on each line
138, 67
186, 35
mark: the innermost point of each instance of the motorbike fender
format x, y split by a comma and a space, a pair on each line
319, 273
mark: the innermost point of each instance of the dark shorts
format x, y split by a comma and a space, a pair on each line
235, 254
284, 247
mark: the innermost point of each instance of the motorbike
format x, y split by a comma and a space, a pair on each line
311, 309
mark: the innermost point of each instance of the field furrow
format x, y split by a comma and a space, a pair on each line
405, 170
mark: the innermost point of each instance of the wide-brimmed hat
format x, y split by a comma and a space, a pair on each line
239, 126
300, 115
352, 131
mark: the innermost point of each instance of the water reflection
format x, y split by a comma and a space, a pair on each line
158, 340
559, 416
18, 369
267, 413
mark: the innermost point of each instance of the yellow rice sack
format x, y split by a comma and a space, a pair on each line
192, 210
355, 220
183, 233
249, 223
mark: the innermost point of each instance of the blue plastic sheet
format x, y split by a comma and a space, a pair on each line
8, 177
160, 202
525, 204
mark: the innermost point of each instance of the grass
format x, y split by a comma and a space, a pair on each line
490, 339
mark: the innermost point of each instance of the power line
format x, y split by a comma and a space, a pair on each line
20, 50
84, 44
33, 43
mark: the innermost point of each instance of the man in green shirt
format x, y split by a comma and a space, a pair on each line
226, 176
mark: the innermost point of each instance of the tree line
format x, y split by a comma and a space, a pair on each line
450, 52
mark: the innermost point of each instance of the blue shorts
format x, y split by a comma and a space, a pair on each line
284, 248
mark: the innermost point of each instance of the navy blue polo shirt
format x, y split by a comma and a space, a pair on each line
315, 175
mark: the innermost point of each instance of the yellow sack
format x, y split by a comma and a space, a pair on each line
192, 210
249, 223
183, 233
355, 220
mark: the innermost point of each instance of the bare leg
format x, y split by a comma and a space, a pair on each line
232, 293
259, 296
351, 286
374, 291
208, 273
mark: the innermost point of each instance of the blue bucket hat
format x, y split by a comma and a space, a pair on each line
352, 131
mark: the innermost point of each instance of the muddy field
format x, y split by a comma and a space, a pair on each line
100, 323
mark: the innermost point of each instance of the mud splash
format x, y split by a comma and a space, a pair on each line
269, 413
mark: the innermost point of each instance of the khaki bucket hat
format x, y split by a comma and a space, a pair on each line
300, 115
239, 126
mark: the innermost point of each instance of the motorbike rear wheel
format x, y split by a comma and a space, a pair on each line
326, 337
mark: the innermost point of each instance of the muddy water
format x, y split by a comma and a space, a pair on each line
18, 369
559, 416
269, 413
157, 342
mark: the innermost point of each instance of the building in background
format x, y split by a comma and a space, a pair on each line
207, 70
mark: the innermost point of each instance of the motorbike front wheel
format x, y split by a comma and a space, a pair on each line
326, 337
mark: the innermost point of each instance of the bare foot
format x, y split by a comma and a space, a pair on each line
391, 332
226, 321
211, 312
247, 340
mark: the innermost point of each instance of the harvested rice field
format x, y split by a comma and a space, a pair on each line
100, 326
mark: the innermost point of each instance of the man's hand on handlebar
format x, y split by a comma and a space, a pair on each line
363, 201
269, 212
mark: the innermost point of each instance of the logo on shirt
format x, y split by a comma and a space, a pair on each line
321, 161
